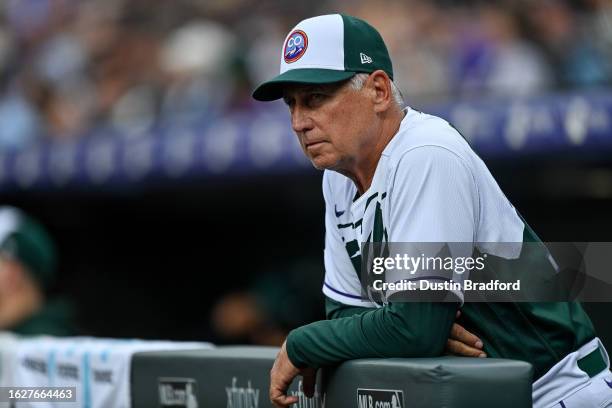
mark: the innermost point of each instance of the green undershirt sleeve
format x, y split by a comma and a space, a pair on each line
397, 330
335, 309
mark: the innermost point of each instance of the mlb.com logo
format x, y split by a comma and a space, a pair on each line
374, 398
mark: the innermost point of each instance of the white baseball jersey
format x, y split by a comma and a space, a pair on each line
429, 186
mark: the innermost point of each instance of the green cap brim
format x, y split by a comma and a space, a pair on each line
273, 89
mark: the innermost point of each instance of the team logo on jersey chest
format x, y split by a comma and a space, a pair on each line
295, 47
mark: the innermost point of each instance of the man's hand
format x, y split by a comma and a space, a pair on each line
463, 343
282, 374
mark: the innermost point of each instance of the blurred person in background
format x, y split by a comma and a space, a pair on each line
27, 272
495, 59
422, 35
272, 305
44, 89
195, 60
569, 42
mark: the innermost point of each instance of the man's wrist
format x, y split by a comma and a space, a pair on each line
292, 350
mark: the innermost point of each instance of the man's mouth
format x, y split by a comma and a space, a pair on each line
313, 144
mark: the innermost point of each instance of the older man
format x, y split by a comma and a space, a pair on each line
393, 174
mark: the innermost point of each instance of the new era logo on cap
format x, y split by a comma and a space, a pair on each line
365, 59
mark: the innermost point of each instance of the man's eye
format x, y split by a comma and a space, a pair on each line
316, 97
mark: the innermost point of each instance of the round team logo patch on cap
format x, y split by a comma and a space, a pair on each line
295, 47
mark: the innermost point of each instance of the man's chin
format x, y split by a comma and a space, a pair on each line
322, 164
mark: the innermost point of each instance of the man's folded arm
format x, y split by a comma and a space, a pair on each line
396, 330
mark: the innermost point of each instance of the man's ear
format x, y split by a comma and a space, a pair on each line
380, 84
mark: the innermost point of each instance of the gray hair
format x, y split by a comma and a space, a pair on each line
358, 80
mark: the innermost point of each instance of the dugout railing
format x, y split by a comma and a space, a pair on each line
238, 377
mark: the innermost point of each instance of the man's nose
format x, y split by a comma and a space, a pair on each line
300, 120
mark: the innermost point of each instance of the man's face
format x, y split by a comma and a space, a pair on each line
333, 122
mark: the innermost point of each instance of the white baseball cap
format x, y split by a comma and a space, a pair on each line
327, 49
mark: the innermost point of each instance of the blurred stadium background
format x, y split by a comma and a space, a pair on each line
184, 210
